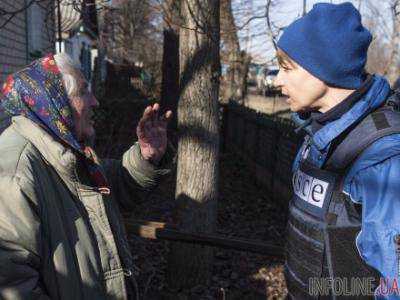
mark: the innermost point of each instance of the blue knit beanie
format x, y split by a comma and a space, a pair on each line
329, 42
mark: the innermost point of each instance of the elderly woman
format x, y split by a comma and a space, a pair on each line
61, 233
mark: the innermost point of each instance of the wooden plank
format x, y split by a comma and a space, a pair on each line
158, 230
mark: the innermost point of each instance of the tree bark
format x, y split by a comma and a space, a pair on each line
245, 60
230, 38
197, 168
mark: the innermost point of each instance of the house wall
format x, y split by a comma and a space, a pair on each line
29, 31
73, 47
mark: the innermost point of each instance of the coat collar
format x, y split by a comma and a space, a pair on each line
57, 155
375, 96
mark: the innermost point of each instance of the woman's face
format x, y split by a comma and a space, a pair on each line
82, 110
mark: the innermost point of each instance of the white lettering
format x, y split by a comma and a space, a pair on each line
310, 189
341, 287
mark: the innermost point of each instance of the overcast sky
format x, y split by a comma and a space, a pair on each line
254, 38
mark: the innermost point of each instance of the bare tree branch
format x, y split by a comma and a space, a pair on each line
76, 4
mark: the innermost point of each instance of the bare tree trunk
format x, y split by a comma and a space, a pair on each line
197, 169
245, 60
230, 38
304, 7
170, 63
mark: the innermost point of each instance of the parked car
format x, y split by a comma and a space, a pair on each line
269, 88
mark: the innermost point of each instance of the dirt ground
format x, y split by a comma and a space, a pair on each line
244, 211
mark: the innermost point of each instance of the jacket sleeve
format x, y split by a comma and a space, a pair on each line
378, 189
20, 243
132, 177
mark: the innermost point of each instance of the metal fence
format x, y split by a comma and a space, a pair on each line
268, 145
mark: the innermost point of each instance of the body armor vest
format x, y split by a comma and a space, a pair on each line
323, 221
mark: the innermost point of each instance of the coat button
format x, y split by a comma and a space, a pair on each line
319, 157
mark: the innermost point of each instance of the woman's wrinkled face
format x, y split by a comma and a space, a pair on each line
82, 110
302, 88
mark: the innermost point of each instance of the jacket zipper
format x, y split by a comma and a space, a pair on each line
101, 190
397, 246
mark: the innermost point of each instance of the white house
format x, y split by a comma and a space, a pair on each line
79, 34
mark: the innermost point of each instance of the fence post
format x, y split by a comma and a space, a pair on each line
224, 108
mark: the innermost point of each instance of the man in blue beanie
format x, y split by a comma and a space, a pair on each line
343, 233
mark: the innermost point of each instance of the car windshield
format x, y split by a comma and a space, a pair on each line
272, 72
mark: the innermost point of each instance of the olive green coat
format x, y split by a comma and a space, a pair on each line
59, 237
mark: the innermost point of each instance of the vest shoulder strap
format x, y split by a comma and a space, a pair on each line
380, 123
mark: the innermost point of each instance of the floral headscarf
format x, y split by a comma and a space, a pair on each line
37, 92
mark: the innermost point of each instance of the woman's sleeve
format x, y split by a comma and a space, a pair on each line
132, 177
20, 243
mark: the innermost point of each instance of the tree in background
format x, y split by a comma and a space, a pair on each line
197, 168
132, 36
170, 60
392, 68
230, 52
382, 19
378, 52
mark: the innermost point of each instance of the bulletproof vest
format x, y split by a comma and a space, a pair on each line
323, 221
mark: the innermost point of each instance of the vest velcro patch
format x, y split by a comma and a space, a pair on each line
380, 120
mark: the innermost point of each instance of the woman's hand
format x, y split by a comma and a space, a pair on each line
152, 133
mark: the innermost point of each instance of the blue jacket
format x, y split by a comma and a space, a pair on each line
373, 181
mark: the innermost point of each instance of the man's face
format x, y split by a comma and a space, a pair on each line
302, 88
82, 110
